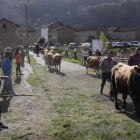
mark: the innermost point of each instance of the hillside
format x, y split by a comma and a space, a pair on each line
75, 13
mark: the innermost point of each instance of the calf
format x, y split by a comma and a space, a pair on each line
94, 63
57, 60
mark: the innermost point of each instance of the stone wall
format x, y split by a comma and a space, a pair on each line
125, 36
32, 37
8, 37
62, 35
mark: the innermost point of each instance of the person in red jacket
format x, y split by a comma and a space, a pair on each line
18, 61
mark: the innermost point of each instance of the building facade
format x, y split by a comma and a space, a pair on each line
21, 32
8, 37
12, 34
86, 34
45, 29
62, 35
126, 34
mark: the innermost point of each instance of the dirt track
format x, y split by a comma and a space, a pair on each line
65, 66
29, 116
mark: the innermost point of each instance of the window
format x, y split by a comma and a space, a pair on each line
4, 25
20, 35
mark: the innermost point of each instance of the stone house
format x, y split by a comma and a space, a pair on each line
45, 29
21, 32
8, 37
62, 35
12, 34
125, 34
86, 34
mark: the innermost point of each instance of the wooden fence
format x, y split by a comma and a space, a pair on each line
116, 58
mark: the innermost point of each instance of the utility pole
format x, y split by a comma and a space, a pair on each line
27, 34
65, 36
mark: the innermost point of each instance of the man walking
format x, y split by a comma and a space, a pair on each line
98, 53
106, 66
66, 53
75, 53
135, 58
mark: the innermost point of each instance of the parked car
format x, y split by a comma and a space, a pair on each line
127, 44
134, 43
117, 44
138, 44
85, 45
109, 44
57, 44
72, 45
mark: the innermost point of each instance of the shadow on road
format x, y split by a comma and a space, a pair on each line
5, 104
95, 76
57, 72
129, 111
18, 80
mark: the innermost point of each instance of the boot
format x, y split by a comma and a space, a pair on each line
101, 90
3, 126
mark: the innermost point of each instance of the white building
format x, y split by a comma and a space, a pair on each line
45, 29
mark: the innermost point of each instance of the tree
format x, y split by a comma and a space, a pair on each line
103, 36
41, 40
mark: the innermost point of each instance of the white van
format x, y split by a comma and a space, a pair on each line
72, 45
85, 45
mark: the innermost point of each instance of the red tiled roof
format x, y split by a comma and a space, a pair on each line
127, 29
62, 27
89, 28
52, 24
9, 21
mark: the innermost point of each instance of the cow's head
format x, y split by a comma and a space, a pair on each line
137, 69
135, 80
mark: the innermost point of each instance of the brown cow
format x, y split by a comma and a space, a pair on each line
94, 63
125, 80
48, 58
57, 60
41, 50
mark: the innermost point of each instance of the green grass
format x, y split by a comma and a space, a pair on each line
72, 60
76, 114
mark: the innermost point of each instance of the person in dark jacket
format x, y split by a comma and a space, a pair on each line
37, 49
1, 124
90, 52
98, 53
135, 58
7, 70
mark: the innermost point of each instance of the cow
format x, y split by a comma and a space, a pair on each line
57, 60
48, 58
125, 80
41, 50
94, 63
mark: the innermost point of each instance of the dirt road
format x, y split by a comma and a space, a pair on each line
65, 66
62, 98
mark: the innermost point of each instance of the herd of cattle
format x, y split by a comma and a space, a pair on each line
125, 78
51, 58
